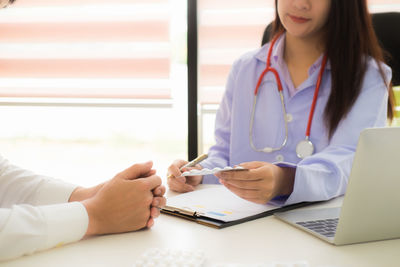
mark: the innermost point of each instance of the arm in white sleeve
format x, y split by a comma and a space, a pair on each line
324, 175
20, 186
25, 229
34, 213
218, 154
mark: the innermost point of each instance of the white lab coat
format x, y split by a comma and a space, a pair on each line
35, 214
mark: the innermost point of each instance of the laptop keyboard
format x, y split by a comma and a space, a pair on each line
323, 227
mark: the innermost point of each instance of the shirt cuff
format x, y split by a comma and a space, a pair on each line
281, 200
312, 183
54, 191
66, 223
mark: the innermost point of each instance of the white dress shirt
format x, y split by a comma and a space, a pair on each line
35, 214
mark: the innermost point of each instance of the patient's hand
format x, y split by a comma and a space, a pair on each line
128, 202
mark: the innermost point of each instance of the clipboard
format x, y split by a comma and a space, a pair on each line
217, 207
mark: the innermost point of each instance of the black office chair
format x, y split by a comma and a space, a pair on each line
387, 29
385, 25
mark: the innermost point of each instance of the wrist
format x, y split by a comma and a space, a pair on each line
81, 193
92, 218
76, 195
287, 175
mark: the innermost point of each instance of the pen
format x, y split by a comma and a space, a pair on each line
192, 163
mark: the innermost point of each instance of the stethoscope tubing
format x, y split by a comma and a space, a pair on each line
269, 149
280, 89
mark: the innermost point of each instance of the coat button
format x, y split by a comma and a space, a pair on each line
279, 158
289, 117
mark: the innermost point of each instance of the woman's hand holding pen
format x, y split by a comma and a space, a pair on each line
261, 183
181, 184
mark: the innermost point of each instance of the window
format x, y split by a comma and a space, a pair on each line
89, 87
226, 31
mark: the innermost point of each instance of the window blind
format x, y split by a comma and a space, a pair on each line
228, 29
86, 49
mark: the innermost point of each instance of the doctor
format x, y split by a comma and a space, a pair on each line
293, 110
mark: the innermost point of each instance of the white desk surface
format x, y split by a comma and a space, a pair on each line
263, 240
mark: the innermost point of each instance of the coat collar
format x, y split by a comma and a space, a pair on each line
277, 55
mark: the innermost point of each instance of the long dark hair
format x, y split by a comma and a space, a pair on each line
349, 38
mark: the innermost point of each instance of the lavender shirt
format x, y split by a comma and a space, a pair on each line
323, 175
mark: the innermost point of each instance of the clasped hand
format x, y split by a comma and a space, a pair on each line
128, 202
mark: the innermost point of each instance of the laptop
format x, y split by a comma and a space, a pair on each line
371, 205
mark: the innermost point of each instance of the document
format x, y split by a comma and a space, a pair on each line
218, 207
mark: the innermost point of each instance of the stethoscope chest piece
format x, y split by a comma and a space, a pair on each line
304, 148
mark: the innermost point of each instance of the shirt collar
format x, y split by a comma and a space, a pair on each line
277, 55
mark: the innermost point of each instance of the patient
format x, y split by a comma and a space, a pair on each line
38, 213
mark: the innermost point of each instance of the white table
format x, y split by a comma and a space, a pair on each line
263, 240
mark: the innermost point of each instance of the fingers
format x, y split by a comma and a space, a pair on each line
159, 202
248, 175
179, 162
154, 212
253, 164
151, 182
174, 169
150, 223
175, 181
257, 170
137, 170
243, 184
179, 185
150, 173
252, 195
159, 191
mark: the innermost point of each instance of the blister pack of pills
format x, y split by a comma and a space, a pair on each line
272, 264
165, 257
206, 171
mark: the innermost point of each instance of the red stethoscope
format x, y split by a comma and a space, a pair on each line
305, 147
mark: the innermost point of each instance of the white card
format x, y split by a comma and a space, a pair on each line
206, 171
